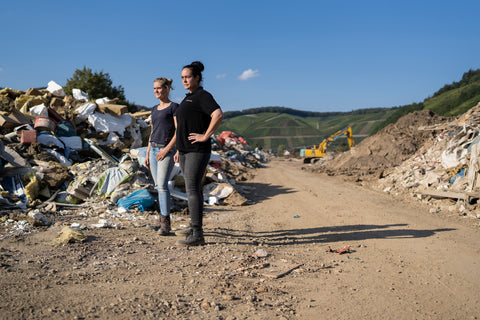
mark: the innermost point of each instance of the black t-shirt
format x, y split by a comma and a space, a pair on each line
193, 116
163, 126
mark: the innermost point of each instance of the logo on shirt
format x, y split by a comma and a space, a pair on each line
188, 100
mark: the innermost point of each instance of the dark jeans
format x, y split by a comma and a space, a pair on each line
193, 165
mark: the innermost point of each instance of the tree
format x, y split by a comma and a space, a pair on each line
280, 150
95, 84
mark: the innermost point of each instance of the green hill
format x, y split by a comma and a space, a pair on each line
273, 126
451, 100
270, 127
456, 98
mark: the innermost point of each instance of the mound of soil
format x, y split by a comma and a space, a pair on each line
388, 148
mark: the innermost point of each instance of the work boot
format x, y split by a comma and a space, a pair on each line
184, 232
195, 238
164, 226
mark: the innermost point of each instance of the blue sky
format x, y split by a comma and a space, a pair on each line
307, 55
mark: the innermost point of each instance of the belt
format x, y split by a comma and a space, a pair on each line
157, 145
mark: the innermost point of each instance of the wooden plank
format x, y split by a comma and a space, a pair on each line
450, 194
437, 127
473, 167
141, 114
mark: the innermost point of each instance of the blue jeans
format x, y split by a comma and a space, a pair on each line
193, 165
161, 171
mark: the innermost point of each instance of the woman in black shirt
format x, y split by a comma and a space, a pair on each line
198, 117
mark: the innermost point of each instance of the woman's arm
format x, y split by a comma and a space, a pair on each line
215, 121
147, 158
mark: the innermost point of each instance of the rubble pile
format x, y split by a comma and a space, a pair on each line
423, 157
388, 148
86, 157
444, 173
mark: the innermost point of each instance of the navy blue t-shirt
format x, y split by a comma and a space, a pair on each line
163, 127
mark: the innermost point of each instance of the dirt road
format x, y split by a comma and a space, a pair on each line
402, 262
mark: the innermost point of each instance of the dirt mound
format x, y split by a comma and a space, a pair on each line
388, 148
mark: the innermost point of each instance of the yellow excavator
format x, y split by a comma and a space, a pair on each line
317, 152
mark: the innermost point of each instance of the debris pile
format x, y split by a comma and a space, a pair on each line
423, 157
69, 152
444, 173
388, 148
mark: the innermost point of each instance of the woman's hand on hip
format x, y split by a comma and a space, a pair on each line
197, 137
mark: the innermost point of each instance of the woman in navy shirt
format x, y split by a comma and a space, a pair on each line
161, 148
198, 117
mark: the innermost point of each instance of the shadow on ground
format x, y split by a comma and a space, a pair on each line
265, 191
319, 235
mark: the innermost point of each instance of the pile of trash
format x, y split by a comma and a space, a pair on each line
64, 151
444, 173
423, 157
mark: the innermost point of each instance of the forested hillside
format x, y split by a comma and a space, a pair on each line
270, 127
296, 129
451, 100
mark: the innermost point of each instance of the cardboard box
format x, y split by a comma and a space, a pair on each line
113, 109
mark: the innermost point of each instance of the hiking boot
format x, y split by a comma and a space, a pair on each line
165, 227
195, 238
155, 226
184, 232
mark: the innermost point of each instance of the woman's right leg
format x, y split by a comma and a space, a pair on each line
193, 165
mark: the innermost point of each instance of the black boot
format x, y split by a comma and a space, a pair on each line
184, 232
195, 238
164, 226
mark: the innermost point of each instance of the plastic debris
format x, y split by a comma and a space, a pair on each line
343, 250
260, 253
141, 199
102, 223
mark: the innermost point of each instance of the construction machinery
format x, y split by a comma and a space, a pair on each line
317, 152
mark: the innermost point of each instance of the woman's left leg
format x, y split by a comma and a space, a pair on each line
164, 169
161, 171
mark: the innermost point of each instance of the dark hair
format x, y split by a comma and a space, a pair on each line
196, 67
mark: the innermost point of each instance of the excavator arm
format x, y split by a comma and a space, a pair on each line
319, 152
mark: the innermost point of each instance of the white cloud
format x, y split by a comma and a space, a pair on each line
247, 74
220, 76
